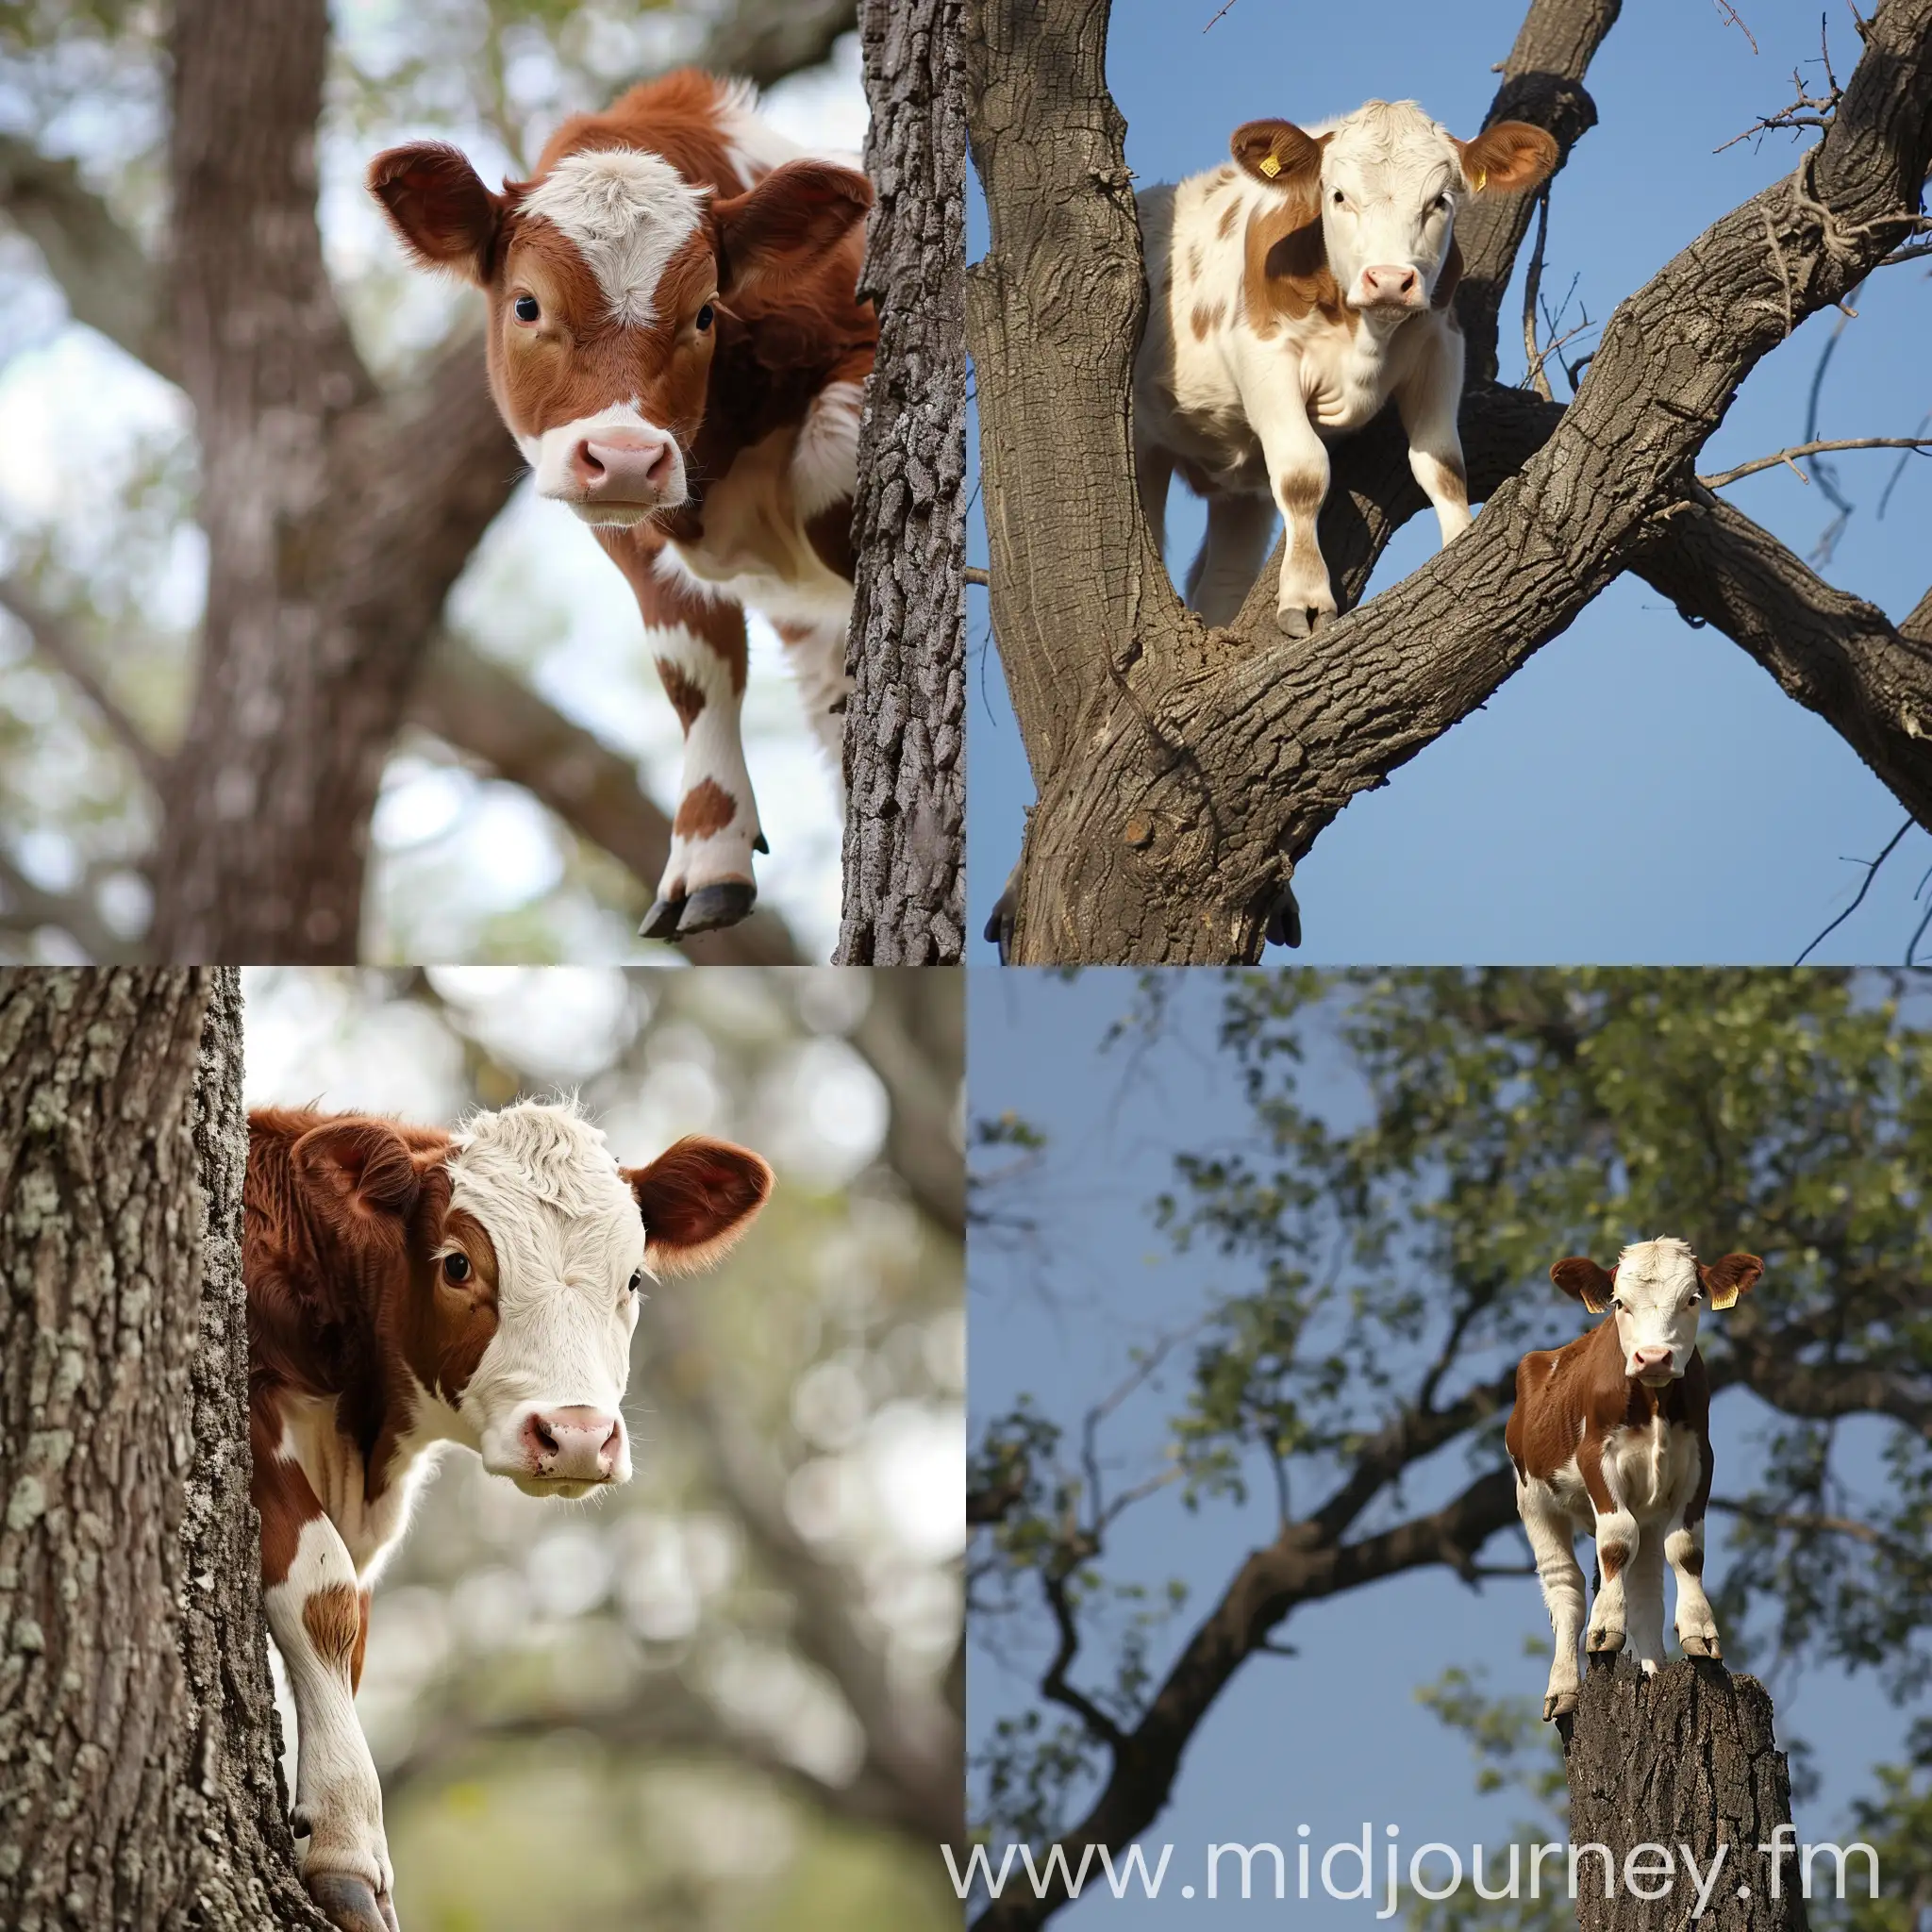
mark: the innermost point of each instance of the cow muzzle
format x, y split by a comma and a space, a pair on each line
1653, 1367
569, 1450
613, 469
1395, 289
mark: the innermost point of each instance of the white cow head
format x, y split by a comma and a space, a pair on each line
1657, 1292
544, 1222
1385, 183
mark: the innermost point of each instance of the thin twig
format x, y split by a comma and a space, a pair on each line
1898, 469
1537, 379
1870, 874
1734, 18
974, 575
1221, 16
1920, 444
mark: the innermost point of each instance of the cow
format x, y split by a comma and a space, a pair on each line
1611, 1435
677, 342
409, 1287
1296, 291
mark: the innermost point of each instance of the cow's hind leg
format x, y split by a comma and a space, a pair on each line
1553, 1544
1239, 529
698, 644
1643, 1598
815, 655
316, 1614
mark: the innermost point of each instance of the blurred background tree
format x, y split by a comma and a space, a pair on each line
727, 1698
1306, 1400
256, 502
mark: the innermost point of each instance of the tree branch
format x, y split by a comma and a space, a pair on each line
54, 638
1807, 449
480, 708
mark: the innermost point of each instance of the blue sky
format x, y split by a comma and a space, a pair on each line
1335, 1737
1640, 790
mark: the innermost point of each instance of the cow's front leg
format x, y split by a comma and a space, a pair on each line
1553, 1544
316, 1614
1298, 476
1427, 401
1616, 1546
1696, 1621
708, 879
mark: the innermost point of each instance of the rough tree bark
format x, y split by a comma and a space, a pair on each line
904, 726
337, 516
137, 1739
1182, 772
1704, 1771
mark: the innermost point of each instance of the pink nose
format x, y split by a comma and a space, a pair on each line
1645, 1360
624, 465
574, 1444
1400, 285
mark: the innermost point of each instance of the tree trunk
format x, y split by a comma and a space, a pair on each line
1687, 1758
137, 1739
905, 886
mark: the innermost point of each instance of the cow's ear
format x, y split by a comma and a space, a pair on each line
1725, 1281
440, 211
363, 1167
1278, 153
780, 230
1579, 1275
1507, 158
696, 1198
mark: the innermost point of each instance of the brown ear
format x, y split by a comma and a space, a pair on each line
1507, 158
359, 1167
1278, 153
1593, 1286
1725, 1281
441, 212
795, 215
696, 1198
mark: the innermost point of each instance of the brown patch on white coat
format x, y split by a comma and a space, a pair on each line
677, 342
408, 1288
1611, 1435
1300, 293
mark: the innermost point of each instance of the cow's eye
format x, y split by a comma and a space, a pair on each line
704, 318
527, 309
637, 1279
1617, 1303
1339, 198
1441, 201
455, 1268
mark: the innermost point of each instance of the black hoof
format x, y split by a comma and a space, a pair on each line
711, 907
660, 922
759, 844
348, 1904
1285, 922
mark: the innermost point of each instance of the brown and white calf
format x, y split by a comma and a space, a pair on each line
1611, 1435
410, 1289
677, 342
1295, 293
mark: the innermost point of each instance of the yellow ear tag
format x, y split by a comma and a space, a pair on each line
1482, 179
1270, 166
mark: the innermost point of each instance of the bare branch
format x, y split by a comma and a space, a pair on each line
1806, 449
1871, 873
1733, 17
482, 708
54, 638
